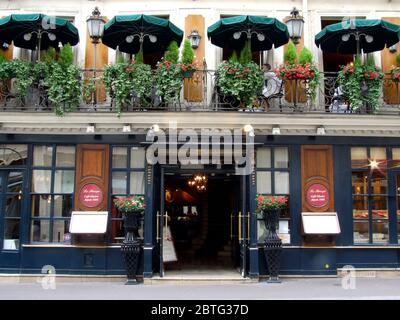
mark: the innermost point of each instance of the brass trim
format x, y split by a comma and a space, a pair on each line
240, 226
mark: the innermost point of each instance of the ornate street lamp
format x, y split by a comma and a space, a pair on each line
194, 38
96, 29
295, 26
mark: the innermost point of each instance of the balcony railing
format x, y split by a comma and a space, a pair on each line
200, 93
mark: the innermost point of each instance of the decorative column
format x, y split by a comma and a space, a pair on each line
272, 244
131, 246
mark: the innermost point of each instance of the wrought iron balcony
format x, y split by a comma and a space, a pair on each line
200, 93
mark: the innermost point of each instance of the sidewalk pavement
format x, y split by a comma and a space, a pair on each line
298, 289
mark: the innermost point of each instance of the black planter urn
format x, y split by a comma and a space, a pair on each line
131, 246
272, 244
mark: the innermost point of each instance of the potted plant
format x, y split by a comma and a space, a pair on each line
168, 75
241, 80
124, 80
362, 84
132, 208
188, 67
270, 206
303, 75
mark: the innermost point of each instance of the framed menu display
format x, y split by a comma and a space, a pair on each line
88, 222
320, 223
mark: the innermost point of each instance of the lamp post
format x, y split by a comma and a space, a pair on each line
295, 26
39, 33
96, 29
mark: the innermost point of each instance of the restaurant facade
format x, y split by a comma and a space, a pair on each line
344, 165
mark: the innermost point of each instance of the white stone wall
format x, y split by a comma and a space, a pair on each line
312, 11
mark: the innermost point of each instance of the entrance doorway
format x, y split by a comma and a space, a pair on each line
199, 227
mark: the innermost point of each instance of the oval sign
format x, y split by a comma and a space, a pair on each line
317, 195
91, 195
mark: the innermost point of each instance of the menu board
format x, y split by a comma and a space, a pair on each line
320, 223
88, 222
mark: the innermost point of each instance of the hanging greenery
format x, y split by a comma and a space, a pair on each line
172, 53
362, 84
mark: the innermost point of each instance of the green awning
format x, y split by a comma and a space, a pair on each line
120, 27
275, 33
383, 34
15, 26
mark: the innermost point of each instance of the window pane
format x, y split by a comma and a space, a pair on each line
42, 156
398, 231
62, 205
64, 181
15, 182
11, 234
65, 156
264, 158
380, 232
117, 231
281, 158
13, 206
41, 181
264, 182
41, 205
138, 157
361, 232
359, 157
40, 231
281, 182
120, 157
61, 231
13, 154
119, 183
378, 154
137, 183
360, 207
379, 208
379, 182
360, 182
396, 157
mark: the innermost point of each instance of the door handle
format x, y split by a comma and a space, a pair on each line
158, 225
240, 226
248, 226
232, 217
166, 224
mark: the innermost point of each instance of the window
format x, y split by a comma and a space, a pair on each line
52, 192
370, 195
12, 165
273, 179
128, 174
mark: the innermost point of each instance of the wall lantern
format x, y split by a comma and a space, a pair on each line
295, 26
194, 39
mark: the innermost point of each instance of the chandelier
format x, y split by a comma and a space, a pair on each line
198, 181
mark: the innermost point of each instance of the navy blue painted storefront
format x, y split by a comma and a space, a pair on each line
296, 258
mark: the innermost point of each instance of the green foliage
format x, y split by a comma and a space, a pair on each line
22, 72
169, 79
139, 57
187, 52
172, 53
241, 81
64, 87
290, 56
66, 56
2, 57
398, 60
121, 79
49, 56
89, 88
306, 56
354, 77
233, 57
370, 60
245, 54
